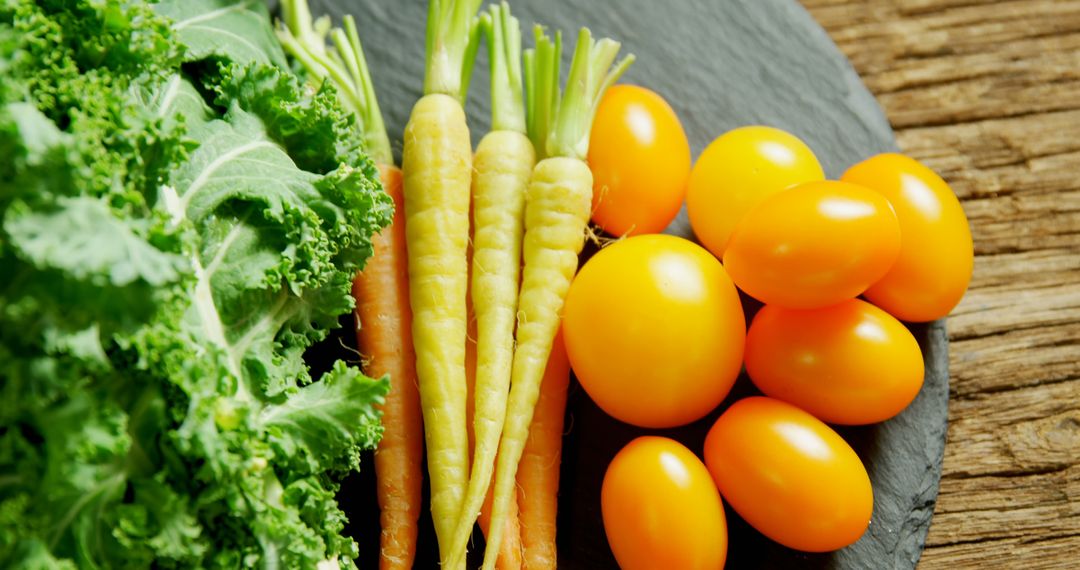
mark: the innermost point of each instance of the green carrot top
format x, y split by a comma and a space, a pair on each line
503, 33
453, 35
559, 123
343, 64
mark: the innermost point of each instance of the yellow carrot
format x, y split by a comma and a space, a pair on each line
510, 555
557, 208
503, 163
437, 164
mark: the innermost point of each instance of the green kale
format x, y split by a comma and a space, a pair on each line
180, 219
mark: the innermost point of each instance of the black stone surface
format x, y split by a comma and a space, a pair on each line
721, 64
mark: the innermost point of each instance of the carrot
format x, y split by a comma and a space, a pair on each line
383, 315
384, 336
503, 162
470, 365
510, 554
538, 472
437, 164
557, 208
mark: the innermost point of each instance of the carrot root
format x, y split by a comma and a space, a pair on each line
384, 336
437, 166
556, 215
538, 471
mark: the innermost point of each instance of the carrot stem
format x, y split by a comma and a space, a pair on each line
504, 50
591, 74
452, 41
344, 66
542, 87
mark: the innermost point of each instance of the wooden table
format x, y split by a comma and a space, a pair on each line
988, 94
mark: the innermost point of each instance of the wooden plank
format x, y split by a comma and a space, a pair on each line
1029, 554
988, 94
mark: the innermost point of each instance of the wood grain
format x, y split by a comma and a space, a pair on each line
988, 94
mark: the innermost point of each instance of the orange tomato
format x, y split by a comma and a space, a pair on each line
813, 245
848, 363
640, 160
789, 475
654, 330
736, 172
936, 255
661, 508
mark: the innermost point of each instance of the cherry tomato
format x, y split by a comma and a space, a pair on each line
640, 160
736, 172
936, 255
654, 330
661, 508
813, 245
789, 475
848, 363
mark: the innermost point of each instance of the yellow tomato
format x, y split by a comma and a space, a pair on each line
790, 476
736, 172
640, 160
813, 245
848, 363
661, 508
654, 330
936, 255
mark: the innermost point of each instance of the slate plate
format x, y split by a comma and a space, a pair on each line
721, 64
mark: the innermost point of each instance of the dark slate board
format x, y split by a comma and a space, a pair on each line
721, 64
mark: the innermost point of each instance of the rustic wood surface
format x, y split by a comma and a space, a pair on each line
988, 94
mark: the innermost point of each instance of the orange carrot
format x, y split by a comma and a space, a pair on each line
385, 339
383, 314
538, 472
510, 552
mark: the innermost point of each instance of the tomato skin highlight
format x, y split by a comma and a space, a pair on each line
736, 172
661, 508
640, 159
850, 363
937, 256
654, 330
789, 475
813, 245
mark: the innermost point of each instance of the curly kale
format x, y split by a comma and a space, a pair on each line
180, 219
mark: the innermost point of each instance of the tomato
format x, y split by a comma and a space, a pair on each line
640, 160
736, 172
813, 245
661, 508
936, 255
849, 363
654, 330
789, 475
